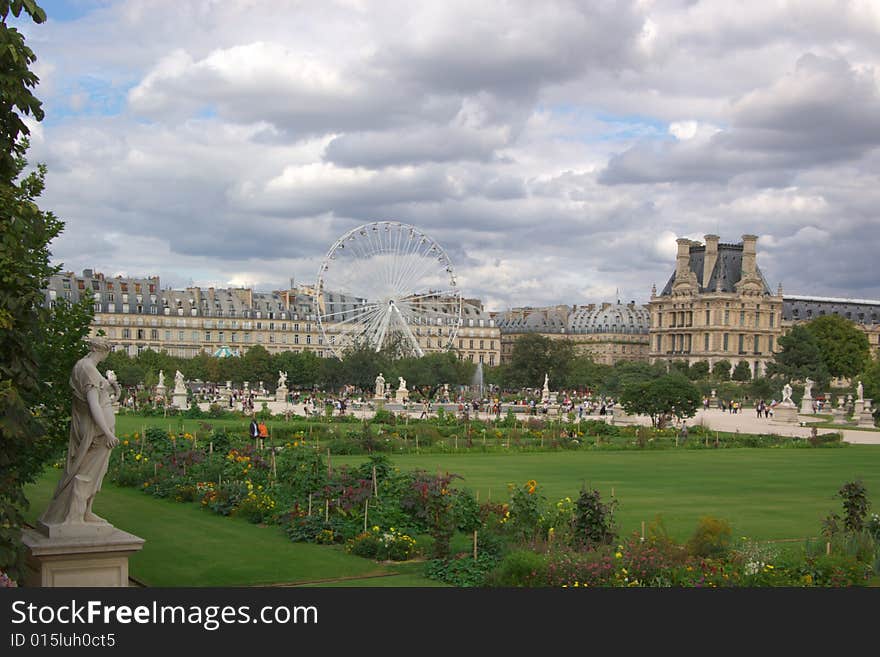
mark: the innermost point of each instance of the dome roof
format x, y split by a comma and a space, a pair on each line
610, 318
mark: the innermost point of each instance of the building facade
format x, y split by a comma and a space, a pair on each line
136, 314
864, 313
607, 332
716, 306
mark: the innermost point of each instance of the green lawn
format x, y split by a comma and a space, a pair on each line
186, 546
763, 493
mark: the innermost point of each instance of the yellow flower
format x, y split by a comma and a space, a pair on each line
618, 555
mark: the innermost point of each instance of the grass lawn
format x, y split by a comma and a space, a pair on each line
187, 546
763, 493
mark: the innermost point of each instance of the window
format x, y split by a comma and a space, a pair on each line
772, 318
247, 337
195, 336
481, 345
726, 341
180, 336
295, 339
140, 334
707, 317
757, 344
96, 286
706, 341
726, 317
126, 333
167, 336
308, 339
742, 343
742, 317
207, 336
770, 343
220, 336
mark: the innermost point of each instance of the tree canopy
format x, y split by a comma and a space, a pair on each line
670, 394
799, 358
843, 347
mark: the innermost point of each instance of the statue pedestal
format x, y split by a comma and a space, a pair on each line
620, 416
401, 396
807, 406
379, 402
866, 417
160, 391
79, 560
281, 394
785, 413
858, 407
178, 400
838, 416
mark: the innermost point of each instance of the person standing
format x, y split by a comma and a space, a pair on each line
254, 429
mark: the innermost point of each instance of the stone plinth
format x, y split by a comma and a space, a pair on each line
401, 396
807, 406
785, 413
281, 394
79, 560
866, 418
620, 416
160, 391
178, 400
838, 416
858, 407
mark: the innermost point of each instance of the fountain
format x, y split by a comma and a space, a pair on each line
477, 381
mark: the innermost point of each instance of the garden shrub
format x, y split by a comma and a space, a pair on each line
464, 571
382, 545
520, 568
593, 521
710, 539
526, 509
594, 568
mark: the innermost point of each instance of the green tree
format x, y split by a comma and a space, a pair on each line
535, 355
671, 394
27, 438
843, 347
628, 373
699, 371
721, 370
742, 372
799, 357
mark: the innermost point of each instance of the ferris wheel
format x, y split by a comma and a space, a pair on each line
387, 283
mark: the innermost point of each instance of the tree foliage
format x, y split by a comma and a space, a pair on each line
799, 357
671, 394
534, 356
742, 372
844, 349
38, 345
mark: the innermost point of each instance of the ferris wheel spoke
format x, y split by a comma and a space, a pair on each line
360, 318
405, 329
404, 278
358, 310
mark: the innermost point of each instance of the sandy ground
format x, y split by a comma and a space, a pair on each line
745, 422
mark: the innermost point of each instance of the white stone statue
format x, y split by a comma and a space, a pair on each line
92, 437
786, 393
402, 385
179, 382
282, 379
860, 392
808, 388
380, 385
161, 379
547, 382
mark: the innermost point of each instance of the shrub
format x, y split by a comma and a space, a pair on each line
463, 571
593, 521
595, 568
710, 539
526, 509
520, 568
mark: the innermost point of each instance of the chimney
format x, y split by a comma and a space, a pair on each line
710, 258
682, 260
748, 262
87, 273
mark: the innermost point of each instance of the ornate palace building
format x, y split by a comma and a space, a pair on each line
609, 332
137, 314
716, 306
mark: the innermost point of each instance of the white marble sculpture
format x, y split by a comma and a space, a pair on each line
179, 386
808, 388
545, 393
402, 394
402, 385
380, 385
116, 389
92, 437
860, 392
282, 379
786, 394
161, 379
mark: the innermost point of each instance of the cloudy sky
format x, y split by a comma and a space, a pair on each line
555, 149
